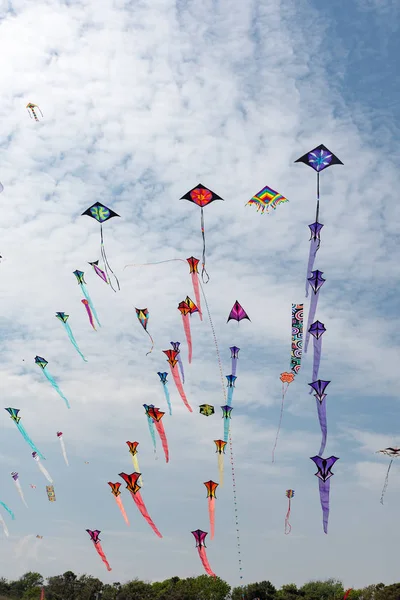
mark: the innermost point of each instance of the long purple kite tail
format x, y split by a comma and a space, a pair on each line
180, 363
316, 361
324, 488
314, 247
321, 409
311, 315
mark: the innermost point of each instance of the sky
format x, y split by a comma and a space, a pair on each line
141, 101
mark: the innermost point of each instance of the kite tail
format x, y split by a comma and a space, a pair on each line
221, 469
230, 395
321, 408
180, 363
316, 361
20, 492
28, 439
73, 340
211, 513
45, 472
347, 594
10, 512
203, 264
55, 386
106, 263
89, 313
168, 399
5, 528
234, 365
196, 289
324, 488
141, 506
152, 343
386, 482
100, 552
186, 326
226, 429
204, 560
161, 432
88, 298
311, 315
122, 509
179, 387
152, 433
284, 390
137, 470
314, 247
64, 452
288, 527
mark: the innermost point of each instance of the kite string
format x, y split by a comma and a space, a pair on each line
230, 436
105, 260
160, 262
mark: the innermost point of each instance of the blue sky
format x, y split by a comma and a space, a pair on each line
141, 101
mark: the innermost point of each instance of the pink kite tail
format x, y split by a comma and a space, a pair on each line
140, 504
89, 312
196, 289
211, 513
163, 438
186, 326
102, 555
288, 527
284, 390
179, 387
122, 509
204, 560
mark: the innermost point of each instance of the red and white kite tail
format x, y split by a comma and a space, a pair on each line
100, 552
196, 289
186, 326
204, 560
161, 432
122, 509
179, 387
288, 527
141, 506
221, 469
211, 513
347, 593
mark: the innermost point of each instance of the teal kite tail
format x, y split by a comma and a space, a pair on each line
28, 440
166, 392
226, 430
152, 432
73, 340
55, 386
230, 396
10, 512
88, 298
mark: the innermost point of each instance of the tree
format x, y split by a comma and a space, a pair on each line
388, 592
323, 590
290, 592
264, 590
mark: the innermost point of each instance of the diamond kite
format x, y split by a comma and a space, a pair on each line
200, 537
42, 363
237, 313
94, 536
63, 317
319, 388
288, 527
143, 316
80, 277
30, 107
392, 453
13, 412
324, 473
267, 198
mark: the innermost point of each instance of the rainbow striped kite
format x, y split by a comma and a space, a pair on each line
267, 198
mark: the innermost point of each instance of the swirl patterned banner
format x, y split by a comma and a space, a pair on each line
297, 337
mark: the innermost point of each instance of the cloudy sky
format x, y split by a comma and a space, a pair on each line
141, 101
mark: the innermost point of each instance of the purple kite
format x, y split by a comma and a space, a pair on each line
175, 346
324, 473
200, 537
319, 388
234, 356
315, 239
98, 271
317, 329
316, 281
237, 313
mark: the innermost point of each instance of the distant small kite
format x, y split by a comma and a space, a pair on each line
238, 313
30, 107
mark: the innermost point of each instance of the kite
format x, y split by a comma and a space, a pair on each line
156, 415
324, 473
226, 414
13, 412
187, 308
101, 214
392, 453
220, 445
317, 329
64, 452
15, 476
347, 593
39, 537
211, 488
163, 379
234, 356
61, 316
206, 409
89, 312
33, 486
316, 281
133, 486
150, 423
94, 536
2, 521
318, 159
50, 493
143, 316
237, 313
116, 493
45, 472
31, 109
231, 386
200, 537
80, 277
175, 346
288, 527
172, 354
297, 338
286, 379
193, 262
319, 388
133, 452
98, 271
267, 198
202, 196
42, 363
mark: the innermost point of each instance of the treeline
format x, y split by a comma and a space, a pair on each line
71, 587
